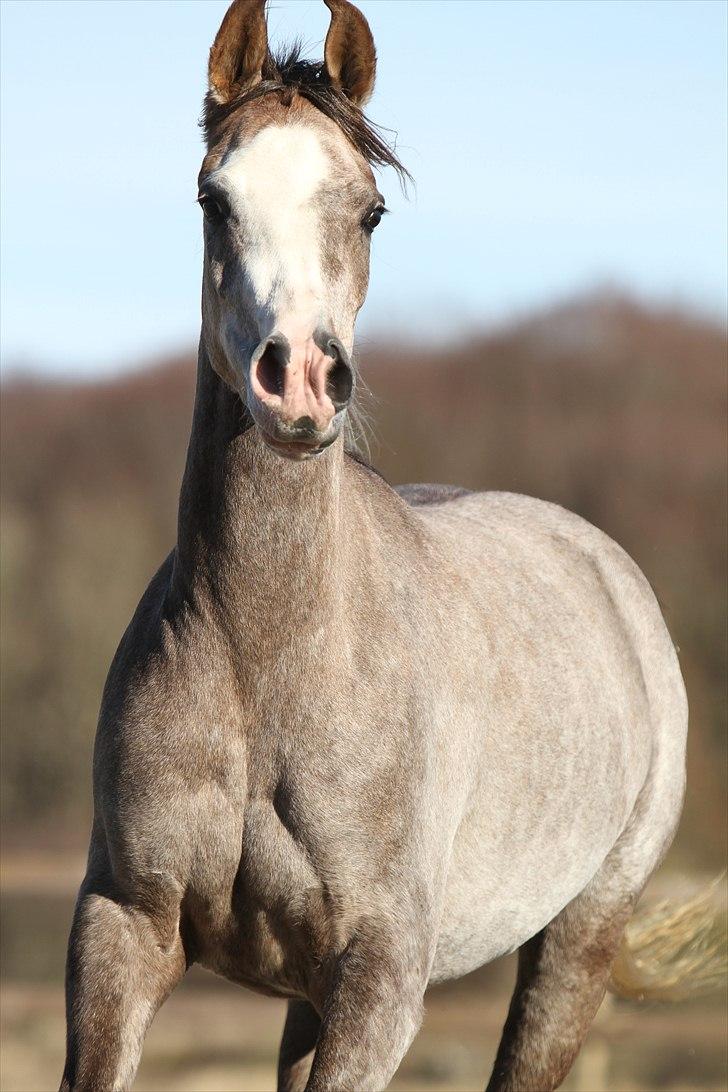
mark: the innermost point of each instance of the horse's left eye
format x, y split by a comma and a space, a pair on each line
373, 218
212, 209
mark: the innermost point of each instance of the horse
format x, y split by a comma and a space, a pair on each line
356, 739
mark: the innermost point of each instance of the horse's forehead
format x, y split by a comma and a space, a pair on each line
280, 165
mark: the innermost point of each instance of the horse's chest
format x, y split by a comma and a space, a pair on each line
282, 923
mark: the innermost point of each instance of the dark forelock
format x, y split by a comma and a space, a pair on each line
287, 74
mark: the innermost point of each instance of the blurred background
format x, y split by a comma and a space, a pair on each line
554, 288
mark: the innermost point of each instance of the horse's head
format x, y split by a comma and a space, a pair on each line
290, 202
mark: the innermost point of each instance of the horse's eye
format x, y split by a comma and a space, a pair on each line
373, 217
212, 209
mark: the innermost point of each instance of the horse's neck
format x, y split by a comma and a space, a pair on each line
258, 535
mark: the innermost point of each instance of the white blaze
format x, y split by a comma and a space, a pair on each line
272, 182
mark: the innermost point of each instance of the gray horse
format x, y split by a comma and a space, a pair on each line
356, 740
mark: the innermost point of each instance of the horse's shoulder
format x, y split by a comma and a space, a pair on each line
148, 657
148, 617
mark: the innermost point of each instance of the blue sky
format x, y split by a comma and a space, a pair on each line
556, 144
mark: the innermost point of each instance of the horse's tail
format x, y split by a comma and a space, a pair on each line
675, 950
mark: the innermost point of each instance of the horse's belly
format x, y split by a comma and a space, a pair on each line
481, 923
509, 877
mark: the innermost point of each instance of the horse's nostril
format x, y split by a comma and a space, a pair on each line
272, 365
340, 380
339, 385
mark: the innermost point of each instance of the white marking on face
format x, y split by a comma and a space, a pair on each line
272, 182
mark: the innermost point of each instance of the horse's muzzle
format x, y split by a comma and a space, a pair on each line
299, 392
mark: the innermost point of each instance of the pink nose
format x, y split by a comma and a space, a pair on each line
304, 384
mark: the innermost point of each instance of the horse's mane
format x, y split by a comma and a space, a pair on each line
287, 73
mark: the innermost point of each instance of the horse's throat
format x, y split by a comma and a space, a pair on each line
259, 533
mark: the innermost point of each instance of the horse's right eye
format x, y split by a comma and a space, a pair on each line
212, 209
373, 218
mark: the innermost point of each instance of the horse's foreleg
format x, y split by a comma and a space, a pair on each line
562, 975
122, 963
370, 1017
300, 1034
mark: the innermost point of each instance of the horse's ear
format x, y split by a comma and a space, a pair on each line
239, 51
350, 59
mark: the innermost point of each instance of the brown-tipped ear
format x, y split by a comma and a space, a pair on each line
239, 50
350, 59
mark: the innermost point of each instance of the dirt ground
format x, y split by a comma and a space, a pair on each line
215, 1037
224, 1040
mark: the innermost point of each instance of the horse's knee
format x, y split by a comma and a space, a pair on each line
106, 924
